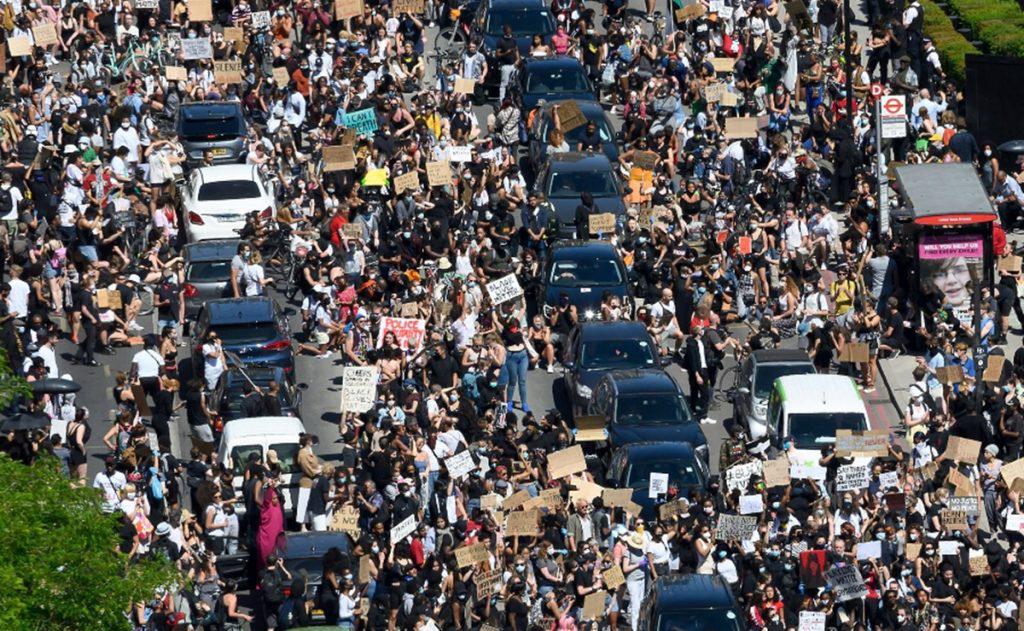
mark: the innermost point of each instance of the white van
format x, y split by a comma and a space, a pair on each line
245, 436
809, 409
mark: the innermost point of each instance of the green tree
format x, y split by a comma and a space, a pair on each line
60, 568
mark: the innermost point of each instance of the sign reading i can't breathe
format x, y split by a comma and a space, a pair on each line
364, 121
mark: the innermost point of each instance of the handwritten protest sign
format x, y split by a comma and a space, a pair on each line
176, 73
346, 519
590, 428
613, 577
969, 504
147, 5
853, 477
234, 34
439, 173
657, 485
344, 9
593, 606
953, 519
872, 442
504, 289
460, 465
19, 46
566, 462
736, 527
812, 621
751, 504
464, 86
363, 121
358, 388
723, 64
978, 565
227, 71
962, 450
460, 154
515, 500
740, 127
196, 48
737, 476
404, 529
260, 20
949, 375
407, 181
889, 480
409, 332
713, 92
521, 523
602, 223
471, 555
570, 116
339, 158
776, 472
617, 497
847, 583
485, 584
675, 507
45, 34
994, 369
409, 6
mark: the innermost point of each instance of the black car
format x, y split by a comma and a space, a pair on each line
555, 78
543, 123
594, 348
215, 126
754, 382
566, 175
644, 405
254, 329
631, 466
583, 272
690, 601
227, 399
526, 17
207, 272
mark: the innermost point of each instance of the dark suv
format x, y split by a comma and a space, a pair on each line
215, 126
690, 601
254, 329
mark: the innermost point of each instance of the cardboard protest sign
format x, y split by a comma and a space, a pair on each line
355, 231
602, 223
196, 48
855, 353
646, 160
1012, 471
740, 127
464, 86
521, 524
668, 509
853, 477
234, 34
407, 181
590, 428
200, 11
140, 401
1009, 263
176, 73
867, 443
147, 5
847, 583
364, 569
19, 46
723, 64
515, 500
466, 556
227, 71
583, 489
344, 9
797, 11
994, 369
570, 116
691, 12
485, 584
613, 577
409, 6
551, 498
735, 527
978, 565
729, 99
614, 498
358, 388
504, 289
913, 551
949, 375
962, 485
491, 500
409, 332
45, 34
953, 519
962, 450
346, 519
776, 472
363, 121
593, 606
280, 76
339, 158
566, 462
713, 92
460, 465
439, 173
402, 530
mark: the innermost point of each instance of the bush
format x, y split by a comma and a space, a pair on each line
952, 46
997, 23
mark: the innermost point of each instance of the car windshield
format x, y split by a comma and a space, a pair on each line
208, 272
699, 620
575, 135
229, 190
246, 334
561, 79
585, 273
768, 373
681, 473
650, 409
240, 456
569, 184
621, 354
524, 22
811, 431
212, 124
233, 399
286, 453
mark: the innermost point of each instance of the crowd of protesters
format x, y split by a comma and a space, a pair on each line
732, 245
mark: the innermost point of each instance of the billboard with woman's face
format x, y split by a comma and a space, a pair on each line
952, 266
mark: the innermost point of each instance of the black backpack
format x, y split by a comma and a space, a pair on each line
6, 201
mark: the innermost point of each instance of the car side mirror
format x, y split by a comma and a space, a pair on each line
666, 360
743, 390
569, 364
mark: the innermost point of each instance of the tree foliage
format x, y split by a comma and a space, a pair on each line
60, 568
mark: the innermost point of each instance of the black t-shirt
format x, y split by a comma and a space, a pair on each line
520, 610
317, 505
443, 370
169, 301
591, 140
506, 51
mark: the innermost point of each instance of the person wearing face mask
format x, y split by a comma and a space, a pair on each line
127, 136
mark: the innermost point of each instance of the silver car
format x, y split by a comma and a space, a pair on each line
207, 272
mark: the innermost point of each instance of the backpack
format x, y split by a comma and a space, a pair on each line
6, 202
273, 589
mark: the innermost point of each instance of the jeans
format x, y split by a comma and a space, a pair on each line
506, 74
516, 365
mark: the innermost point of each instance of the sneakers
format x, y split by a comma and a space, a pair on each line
135, 326
707, 420
327, 355
508, 406
526, 408
551, 369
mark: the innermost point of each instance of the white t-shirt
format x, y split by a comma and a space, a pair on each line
17, 301
213, 366
16, 198
110, 485
253, 280
149, 362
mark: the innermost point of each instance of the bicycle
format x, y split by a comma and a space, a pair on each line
279, 257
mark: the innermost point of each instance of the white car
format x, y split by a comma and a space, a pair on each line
216, 200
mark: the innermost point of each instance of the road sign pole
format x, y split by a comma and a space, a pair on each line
880, 175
